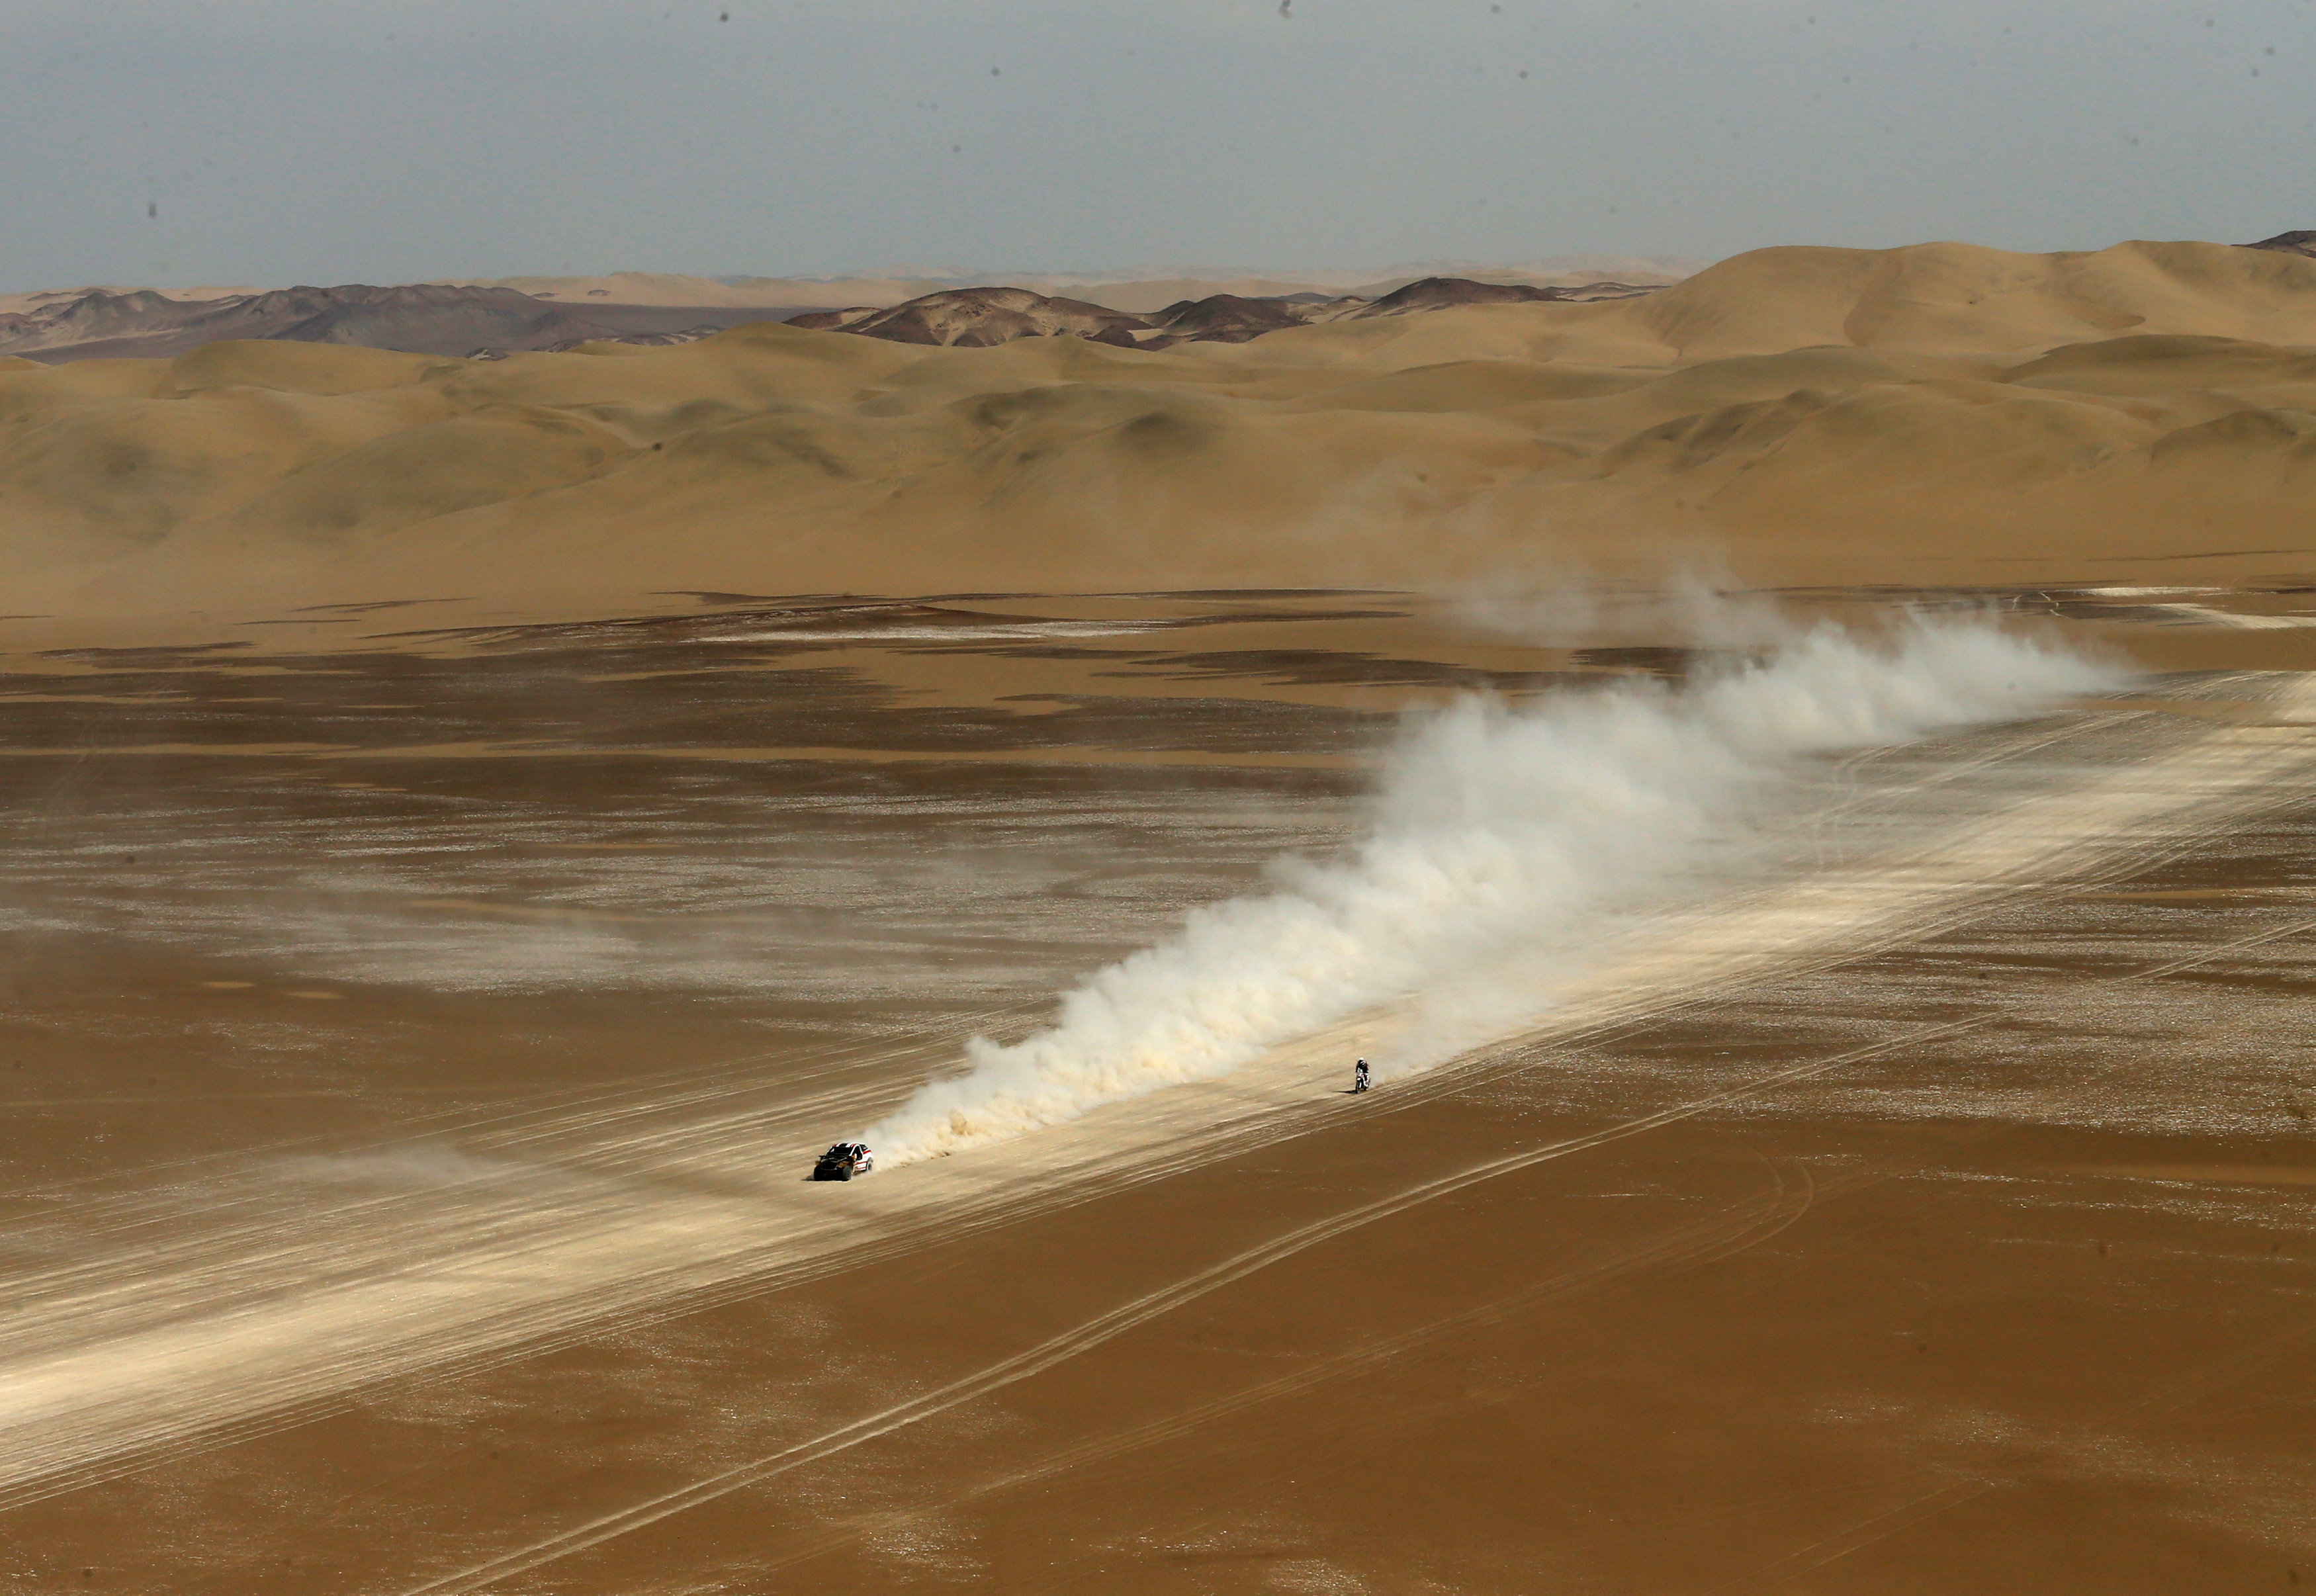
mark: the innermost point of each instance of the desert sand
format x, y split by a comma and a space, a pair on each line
1939, 414
477, 828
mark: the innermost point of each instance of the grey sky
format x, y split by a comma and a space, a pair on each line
392, 140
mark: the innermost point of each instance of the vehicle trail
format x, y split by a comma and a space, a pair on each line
1108, 1327
575, 1115
625, 1209
1719, 1236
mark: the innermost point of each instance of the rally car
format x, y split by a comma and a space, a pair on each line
844, 1160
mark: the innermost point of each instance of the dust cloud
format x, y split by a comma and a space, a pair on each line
1496, 830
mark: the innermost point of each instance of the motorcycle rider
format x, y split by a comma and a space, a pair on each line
1360, 1076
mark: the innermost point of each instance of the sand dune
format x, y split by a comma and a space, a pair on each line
1937, 413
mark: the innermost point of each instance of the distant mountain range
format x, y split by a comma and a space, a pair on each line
984, 316
491, 318
421, 318
488, 320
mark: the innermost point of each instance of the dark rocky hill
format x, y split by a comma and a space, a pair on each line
2302, 243
1439, 293
419, 318
1230, 319
978, 317
436, 319
986, 315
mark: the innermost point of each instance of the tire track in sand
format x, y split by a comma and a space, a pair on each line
1131, 1316
643, 1224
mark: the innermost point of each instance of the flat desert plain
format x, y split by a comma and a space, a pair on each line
1800, 784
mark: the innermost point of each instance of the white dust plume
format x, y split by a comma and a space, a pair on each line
1496, 830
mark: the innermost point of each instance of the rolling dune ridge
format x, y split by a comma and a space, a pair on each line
1939, 413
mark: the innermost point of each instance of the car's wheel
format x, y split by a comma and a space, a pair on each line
839, 1174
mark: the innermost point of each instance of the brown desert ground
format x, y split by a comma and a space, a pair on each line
476, 830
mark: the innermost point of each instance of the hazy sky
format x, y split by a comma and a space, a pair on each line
393, 141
